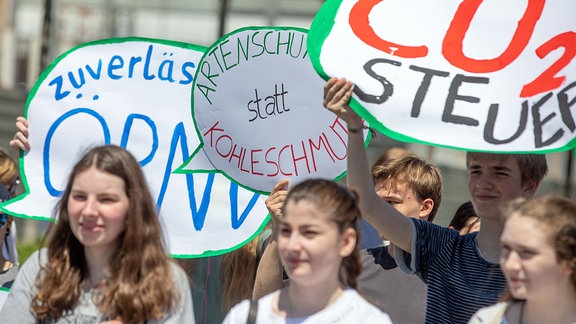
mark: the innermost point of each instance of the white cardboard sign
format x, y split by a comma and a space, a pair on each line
480, 75
134, 93
258, 108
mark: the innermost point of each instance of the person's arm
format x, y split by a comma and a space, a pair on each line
269, 273
380, 214
17, 306
20, 139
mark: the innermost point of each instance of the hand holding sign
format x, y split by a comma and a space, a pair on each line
433, 72
257, 105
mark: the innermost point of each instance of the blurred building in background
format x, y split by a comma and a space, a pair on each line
35, 32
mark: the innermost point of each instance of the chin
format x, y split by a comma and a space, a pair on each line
518, 294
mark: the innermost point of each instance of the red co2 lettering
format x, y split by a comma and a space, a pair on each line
452, 45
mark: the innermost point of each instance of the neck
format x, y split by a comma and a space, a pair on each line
488, 239
301, 301
559, 309
98, 262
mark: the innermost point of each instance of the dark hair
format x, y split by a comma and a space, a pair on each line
461, 216
137, 289
341, 203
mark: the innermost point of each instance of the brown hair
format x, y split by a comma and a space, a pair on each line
394, 152
341, 203
422, 177
7, 168
238, 274
137, 289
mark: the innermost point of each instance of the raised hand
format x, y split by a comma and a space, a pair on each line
20, 139
275, 201
337, 94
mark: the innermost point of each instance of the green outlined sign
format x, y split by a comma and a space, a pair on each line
471, 74
135, 93
257, 104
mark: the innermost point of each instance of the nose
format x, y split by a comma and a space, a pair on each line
294, 242
484, 182
90, 207
510, 262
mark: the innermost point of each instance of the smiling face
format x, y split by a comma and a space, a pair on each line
529, 261
97, 208
310, 245
494, 181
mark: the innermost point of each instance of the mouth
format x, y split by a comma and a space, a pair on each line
515, 281
89, 227
483, 197
293, 262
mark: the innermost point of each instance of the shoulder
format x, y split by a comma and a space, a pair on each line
432, 228
35, 261
433, 237
239, 313
179, 277
490, 314
363, 310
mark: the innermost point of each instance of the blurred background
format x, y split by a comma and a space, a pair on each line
34, 32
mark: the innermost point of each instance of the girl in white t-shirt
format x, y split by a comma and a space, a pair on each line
539, 261
317, 244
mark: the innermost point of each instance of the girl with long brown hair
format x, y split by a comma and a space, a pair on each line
105, 259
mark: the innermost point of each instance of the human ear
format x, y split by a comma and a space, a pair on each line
349, 239
530, 188
426, 208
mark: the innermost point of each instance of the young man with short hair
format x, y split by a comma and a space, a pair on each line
462, 272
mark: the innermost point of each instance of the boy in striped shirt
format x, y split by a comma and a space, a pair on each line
462, 272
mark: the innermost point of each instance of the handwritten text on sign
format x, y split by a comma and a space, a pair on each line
134, 93
258, 109
470, 74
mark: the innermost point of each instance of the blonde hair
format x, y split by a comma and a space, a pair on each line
422, 177
7, 168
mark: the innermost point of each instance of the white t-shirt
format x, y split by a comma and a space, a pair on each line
491, 314
350, 307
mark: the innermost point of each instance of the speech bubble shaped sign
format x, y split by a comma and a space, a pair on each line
479, 75
134, 93
257, 103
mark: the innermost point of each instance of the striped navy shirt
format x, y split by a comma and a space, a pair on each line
460, 281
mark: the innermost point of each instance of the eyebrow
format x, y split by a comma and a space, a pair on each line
501, 168
495, 167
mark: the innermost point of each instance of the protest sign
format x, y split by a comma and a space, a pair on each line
3, 295
257, 103
472, 74
135, 93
